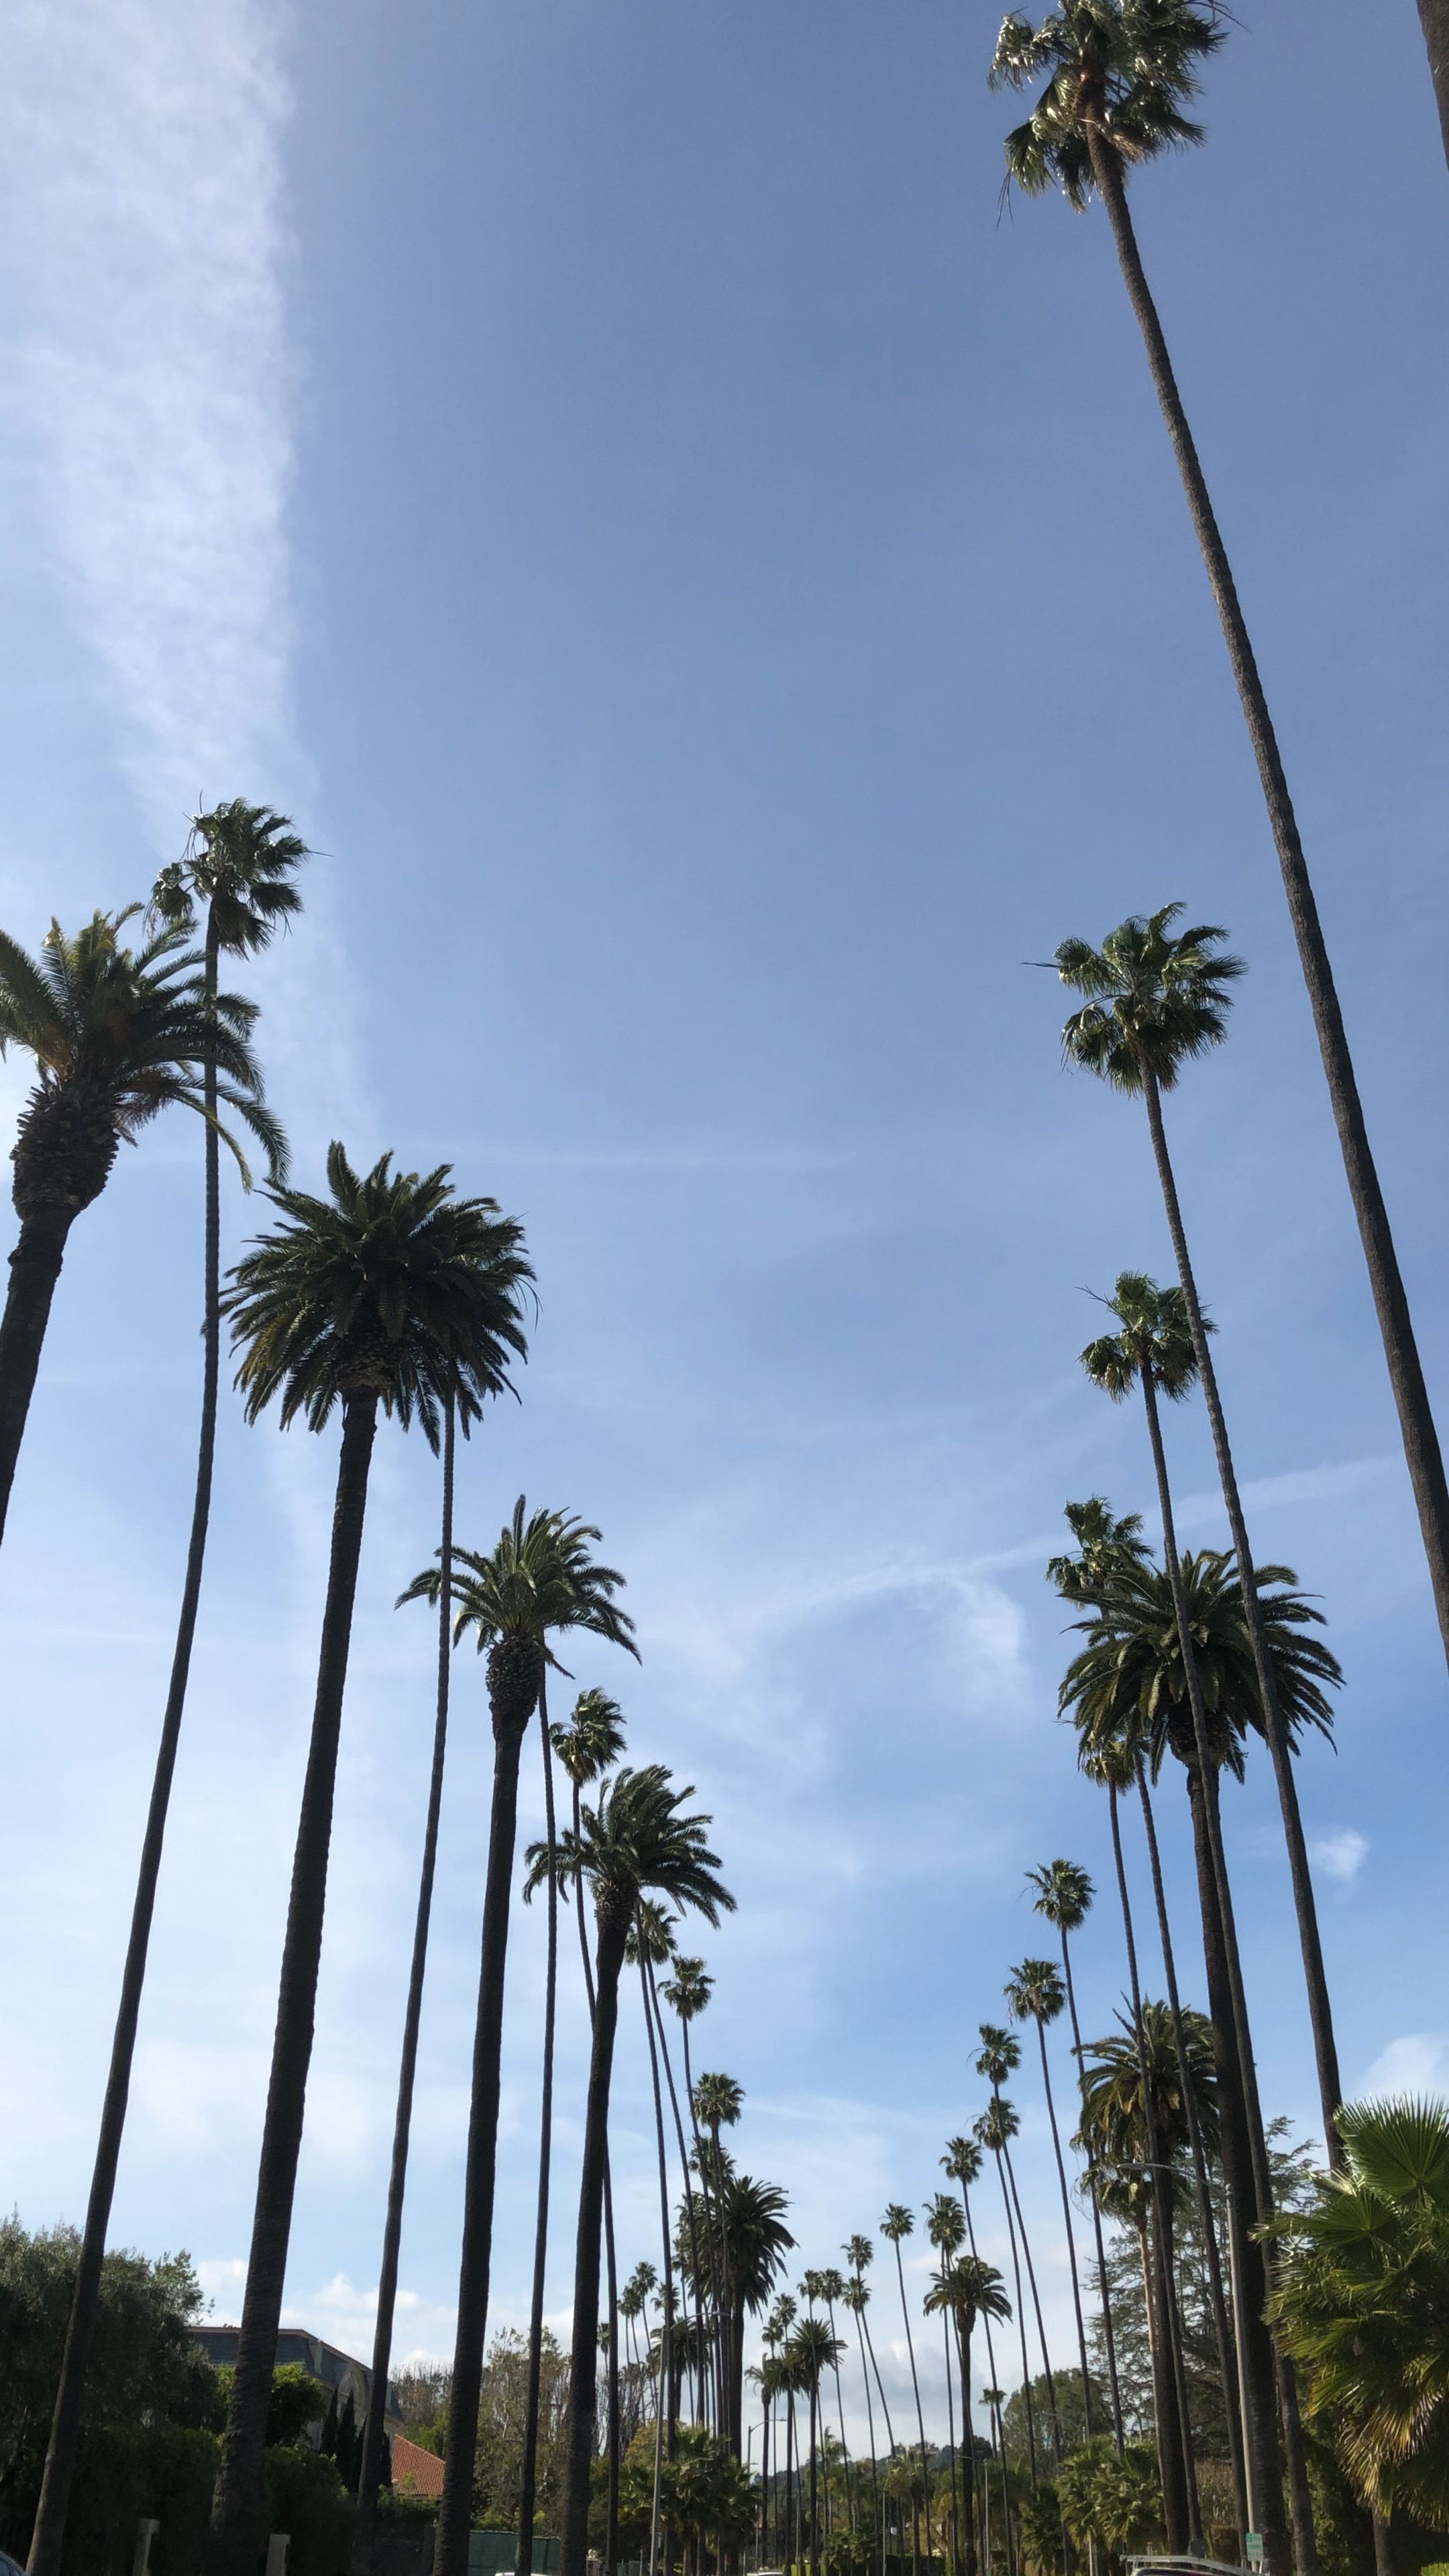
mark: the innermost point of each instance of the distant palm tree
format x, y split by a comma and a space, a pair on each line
687, 1993
639, 1840
1156, 998
1035, 1992
538, 1580
812, 2348
963, 2160
116, 1035
715, 2104
1120, 75
856, 2298
528, 2453
832, 2291
1000, 2056
390, 1294
946, 2228
896, 2225
1064, 1894
967, 2290
239, 866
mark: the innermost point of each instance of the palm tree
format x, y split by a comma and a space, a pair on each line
1120, 74
1000, 2056
538, 1580
638, 1839
856, 2297
754, 2242
896, 2225
391, 1293
1064, 1894
687, 1994
966, 2290
812, 2348
715, 2103
116, 1036
1362, 2295
832, 2291
946, 2228
1035, 1993
528, 2458
963, 2161
1156, 999
239, 865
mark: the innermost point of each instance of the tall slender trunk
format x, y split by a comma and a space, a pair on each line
1416, 1420
1020, 2317
711, 2232
950, 2435
611, 2549
1434, 19
870, 2425
584, 2356
49, 2534
991, 2366
455, 2516
374, 2431
1216, 2296
1320, 2013
237, 2533
1047, 2372
528, 2465
35, 1266
1067, 2221
694, 2263
968, 2448
915, 2386
840, 2412
664, 2425
1109, 2335
814, 2493
1172, 2434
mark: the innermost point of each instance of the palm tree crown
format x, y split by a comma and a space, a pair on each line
239, 863
962, 2160
1104, 1542
1128, 1685
969, 2289
1064, 1893
392, 1288
1035, 1992
999, 2055
1119, 72
639, 1838
1155, 998
1155, 1341
117, 1035
539, 1577
589, 1742
1115, 2101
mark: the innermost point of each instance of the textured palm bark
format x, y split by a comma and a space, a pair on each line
236, 2539
1406, 1375
364, 2529
49, 2534
35, 1266
1434, 19
455, 2515
584, 2354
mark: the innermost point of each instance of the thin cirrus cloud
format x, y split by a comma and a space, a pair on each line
1341, 1855
142, 141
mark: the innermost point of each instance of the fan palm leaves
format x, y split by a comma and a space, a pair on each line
115, 1035
1362, 2300
1118, 77
640, 1840
897, 2224
393, 1294
812, 2350
968, 2291
1064, 1897
239, 866
539, 1580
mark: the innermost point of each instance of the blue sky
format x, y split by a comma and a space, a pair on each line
715, 591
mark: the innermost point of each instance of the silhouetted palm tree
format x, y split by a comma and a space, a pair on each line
1036, 1993
1119, 76
896, 2225
1064, 1894
390, 1294
967, 2290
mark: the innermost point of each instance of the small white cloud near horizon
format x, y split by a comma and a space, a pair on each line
1416, 2063
1340, 1855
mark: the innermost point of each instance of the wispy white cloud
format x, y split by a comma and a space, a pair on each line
1417, 2063
150, 380
1340, 1855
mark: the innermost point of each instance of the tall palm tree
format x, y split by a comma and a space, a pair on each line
1120, 75
1036, 1993
812, 2349
374, 2432
392, 1293
116, 1035
897, 2224
859, 2252
715, 2104
687, 1994
968, 2289
1000, 2056
528, 2456
651, 1930
946, 2228
239, 866
639, 1840
539, 1580
963, 2161
1064, 1894
1156, 999
832, 2291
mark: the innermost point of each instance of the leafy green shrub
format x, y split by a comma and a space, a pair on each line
306, 2497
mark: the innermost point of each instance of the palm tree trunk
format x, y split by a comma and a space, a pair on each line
35, 1266
916, 2390
840, 2412
528, 2466
1107, 2330
870, 2426
814, 2493
1067, 2220
1036, 2305
373, 2431
238, 2530
664, 2427
1239, 2161
1320, 2013
1216, 2294
1416, 1421
688, 2189
1172, 2433
1434, 19
951, 2438
611, 2528
455, 2515
991, 2366
584, 2357
49, 2534
1020, 2317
